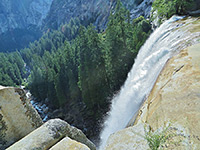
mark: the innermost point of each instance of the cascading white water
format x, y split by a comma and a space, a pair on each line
151, 58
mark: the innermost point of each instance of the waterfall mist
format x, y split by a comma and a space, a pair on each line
153, 55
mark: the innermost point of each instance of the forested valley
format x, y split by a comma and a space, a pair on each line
78, 69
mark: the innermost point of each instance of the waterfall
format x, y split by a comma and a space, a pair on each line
153, 55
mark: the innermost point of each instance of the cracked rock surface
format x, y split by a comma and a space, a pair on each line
17, 116
175, 98
55, 133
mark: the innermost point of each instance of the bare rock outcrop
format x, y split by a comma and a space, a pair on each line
21, 124
175, 98
68, 143
128, 139
49, 134
17, 116
172, 107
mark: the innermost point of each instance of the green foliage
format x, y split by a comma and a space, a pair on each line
71, 30
123, 41
12, 69
79, 66
167, 8
18, 38
157, 138
92, 80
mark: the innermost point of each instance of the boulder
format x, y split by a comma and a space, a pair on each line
69, 144
128, 139
17, 116
49, 134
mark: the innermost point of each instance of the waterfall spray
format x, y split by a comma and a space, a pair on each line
151, 58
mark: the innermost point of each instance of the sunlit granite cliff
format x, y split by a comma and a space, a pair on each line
172, 108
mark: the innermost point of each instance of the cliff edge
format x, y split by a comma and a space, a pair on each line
21, 124
17, 116
171, 112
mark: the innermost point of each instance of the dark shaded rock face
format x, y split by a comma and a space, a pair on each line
22, 14
21, 22
96, 11
25, 14
195, 9
91, 11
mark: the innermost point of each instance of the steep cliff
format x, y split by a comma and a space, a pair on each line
91, 11
17, 116
24, 21
20, 22
175, 98
22, 14
172, 108
27, 13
